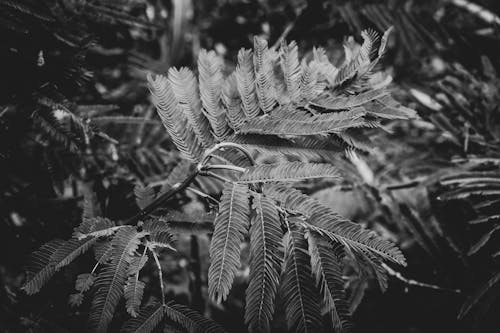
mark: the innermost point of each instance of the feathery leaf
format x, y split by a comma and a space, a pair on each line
300, 296
265, 265
289, 171
231, 225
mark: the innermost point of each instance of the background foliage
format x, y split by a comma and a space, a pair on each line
77, 121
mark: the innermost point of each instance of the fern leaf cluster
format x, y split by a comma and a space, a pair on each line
317, 98
274, 105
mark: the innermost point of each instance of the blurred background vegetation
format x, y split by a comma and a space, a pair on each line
76, 118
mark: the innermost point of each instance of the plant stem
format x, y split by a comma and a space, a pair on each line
160, 276
219, 177
212, 150
224, 167
163, 198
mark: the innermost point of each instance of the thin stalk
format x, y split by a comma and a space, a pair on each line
224, 167
163, 198
160, 276
219, 177
203, 195
212, 150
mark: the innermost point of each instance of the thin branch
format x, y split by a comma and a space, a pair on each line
224, 167
163, 198
160, 276
214, 175
220, 145
203, 195
411, 282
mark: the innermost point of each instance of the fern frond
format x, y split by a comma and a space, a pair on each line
144, 195
362, 59
232, 102
288, 171
95, 227
71, 249
245, 79
310, 85
348, 102
134, 288
315, 125
290, 65
263, 66
265, 265
173, 118
210, 79
111, 280
326, 265
160, 234
84, 282
133, 291
388, 108
298, 291
148, 319
187, 93
231, 225
102, 251
325, 221
308, 148
191, 320
39, 270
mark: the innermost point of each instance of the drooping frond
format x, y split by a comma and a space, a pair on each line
173, 118
186, 90
148, 319
95, 227
232, 102
71, 249
265, 265
314, 125
111, 280
191, 320
327, 222
299, 294
231, 225
134, 288
290, 65
245, 79
326, 265
84, 282
290, 171
210, 79
263, 66
144, 195
39, 270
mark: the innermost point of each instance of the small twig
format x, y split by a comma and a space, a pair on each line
410, 282
283, 35
160, 276
203, 195
224, 167
402, 185
164, 197
218, 146
214, 175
